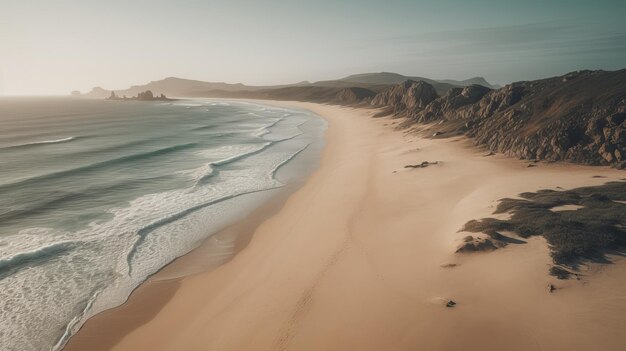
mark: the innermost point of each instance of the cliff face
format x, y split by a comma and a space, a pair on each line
407, 97
354, 95
579, 117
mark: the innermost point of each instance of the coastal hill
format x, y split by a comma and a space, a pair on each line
376, 82
171, 86
141, 96
394, 78
579, 117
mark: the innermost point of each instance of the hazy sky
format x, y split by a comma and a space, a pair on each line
54, 46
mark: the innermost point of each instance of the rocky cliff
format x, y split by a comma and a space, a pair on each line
579, 117
406, 98
354, 95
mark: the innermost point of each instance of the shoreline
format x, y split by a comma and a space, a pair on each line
359, 248
103, 330
148, 297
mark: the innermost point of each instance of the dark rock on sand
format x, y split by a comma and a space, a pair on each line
587, 234
551, 288
559, 273
471, 244
422, 165
449, 265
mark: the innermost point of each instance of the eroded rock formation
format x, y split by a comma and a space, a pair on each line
579, 117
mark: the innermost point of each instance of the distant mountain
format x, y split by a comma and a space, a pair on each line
472, 81
98, 92
173, 86
579, 117
179, 87
395, 78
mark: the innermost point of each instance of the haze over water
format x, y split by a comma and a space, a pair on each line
60, 46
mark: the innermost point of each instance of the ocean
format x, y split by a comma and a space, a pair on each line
95, 196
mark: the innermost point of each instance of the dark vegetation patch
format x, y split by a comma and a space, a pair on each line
586, 234
560, 272
471, 244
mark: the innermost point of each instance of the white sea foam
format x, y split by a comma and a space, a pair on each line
189, 104
53, 141
83, 272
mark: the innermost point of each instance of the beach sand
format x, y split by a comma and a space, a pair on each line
361, 257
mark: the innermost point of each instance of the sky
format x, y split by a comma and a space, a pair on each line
54, 47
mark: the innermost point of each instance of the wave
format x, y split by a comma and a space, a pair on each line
143, 232
250, 153
273, 123
266, 128
97, 166
20, 260
188, 105
242, 155
131, 227
118, 147
69, 328
212, 126
210, 173
42, 142
214, 166
285, 161
75, 198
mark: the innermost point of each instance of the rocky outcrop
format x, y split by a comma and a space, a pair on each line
452, 104
472, 244
407, 97
142, 96
354, 95
579, 117
592, 229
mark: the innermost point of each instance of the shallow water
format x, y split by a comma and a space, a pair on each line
97, 195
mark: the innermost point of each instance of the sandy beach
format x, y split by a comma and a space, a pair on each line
362, 257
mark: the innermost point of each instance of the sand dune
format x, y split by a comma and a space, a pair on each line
362, 258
